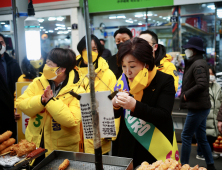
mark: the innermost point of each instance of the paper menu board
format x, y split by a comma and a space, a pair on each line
106, 115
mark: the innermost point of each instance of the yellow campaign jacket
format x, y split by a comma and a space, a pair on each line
104, 81
169, 68
60, 118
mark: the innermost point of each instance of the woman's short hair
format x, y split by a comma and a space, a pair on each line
82, 45
139, 48
65, 58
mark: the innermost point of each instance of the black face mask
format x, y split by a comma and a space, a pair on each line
103, 46
118, 45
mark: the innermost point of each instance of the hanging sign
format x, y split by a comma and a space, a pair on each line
106, 115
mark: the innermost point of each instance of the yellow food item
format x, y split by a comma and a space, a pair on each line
5, 136
64, 165
7, 143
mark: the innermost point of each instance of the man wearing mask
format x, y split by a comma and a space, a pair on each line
121, 35
195, 98
10, 72
162, 60
106, 53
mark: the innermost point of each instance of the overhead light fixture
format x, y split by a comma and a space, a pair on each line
51, 18
62, 32
46, 32
112, 17
129, 21
69, 28
160, 16
121, 16
164, 18
60, 18
155, 14
60, 25
135, 20
40, 20
41, 27
2, 23
43, 30
139, 15
51, 31
203, 5
149, 15
6, 25
211, 6
140, 23
56, 29
61, 28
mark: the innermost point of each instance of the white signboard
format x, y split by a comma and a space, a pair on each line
106, 115
182, 2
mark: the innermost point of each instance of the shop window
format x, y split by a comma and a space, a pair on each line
158, 20
55, 32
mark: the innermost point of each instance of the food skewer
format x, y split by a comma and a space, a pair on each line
5, 153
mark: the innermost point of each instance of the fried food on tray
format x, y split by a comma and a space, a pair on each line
7, 143
22, 148
64, 165
6, 150
5, 136
35, 152
168, 164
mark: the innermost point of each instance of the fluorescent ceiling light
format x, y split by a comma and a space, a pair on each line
69, 28
211, 6
41, 27
155, 14
60, 25
51, 18
2, 23
60, 18
51, 31
56, 29
153, 20
112, 17
61, 28
139, 15
204, 5
129, 21
46, 31
40, 20
62, 32
149, 19
6, 25
164, 18
43, 30
140, 23
149, 15
160, 17
121, 16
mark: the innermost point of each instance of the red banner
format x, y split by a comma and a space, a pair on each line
8, 3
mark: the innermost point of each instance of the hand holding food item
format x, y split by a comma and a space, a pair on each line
7, 143
64, 165
5, 136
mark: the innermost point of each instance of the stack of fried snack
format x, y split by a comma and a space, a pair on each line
6, 142
168, 164
22, 148
7, 145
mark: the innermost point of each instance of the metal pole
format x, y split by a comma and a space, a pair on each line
15, 30
95, 115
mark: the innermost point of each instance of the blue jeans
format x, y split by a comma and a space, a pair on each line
195, 124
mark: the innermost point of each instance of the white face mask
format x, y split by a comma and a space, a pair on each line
2, 50
189, 53
212, 78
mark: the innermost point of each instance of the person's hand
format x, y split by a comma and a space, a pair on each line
115, 103
16, 116
48, 94
219, 126
126, 101
184, 97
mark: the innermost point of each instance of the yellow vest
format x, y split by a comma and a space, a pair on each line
169, 68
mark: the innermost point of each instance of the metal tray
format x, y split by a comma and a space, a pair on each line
83, 161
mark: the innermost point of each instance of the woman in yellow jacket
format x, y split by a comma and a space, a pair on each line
105, 80
54, 112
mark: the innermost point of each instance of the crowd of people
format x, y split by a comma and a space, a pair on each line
142, 109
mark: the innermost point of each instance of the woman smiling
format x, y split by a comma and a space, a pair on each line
146, 129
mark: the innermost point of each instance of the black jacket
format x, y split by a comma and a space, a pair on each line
106, 54
7, 121
13, 72
112, 62
155, 107
195, 84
